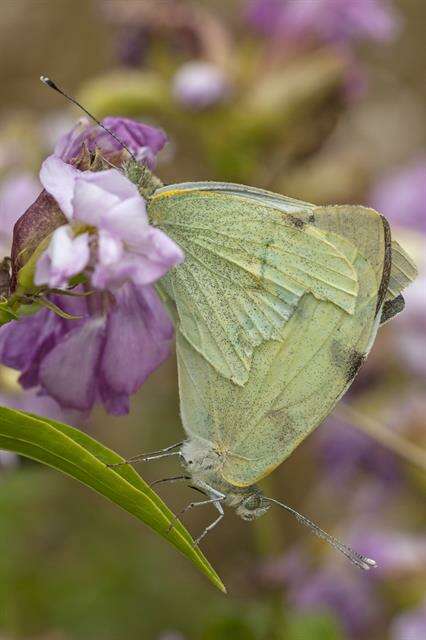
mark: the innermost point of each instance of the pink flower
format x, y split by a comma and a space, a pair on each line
128, 249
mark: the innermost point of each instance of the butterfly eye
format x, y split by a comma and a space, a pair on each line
252, 502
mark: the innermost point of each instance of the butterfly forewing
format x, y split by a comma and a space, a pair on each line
247, 265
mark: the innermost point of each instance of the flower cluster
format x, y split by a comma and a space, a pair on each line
125, 246
112, 330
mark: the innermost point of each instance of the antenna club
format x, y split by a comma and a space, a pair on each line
48, 81
371, 563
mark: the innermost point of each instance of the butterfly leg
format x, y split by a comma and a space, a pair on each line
172, 479
216, 501
154, 455
212, 525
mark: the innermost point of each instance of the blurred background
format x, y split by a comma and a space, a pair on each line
322, 100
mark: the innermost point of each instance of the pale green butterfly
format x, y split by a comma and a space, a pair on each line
276, 307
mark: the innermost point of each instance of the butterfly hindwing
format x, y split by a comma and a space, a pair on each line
294, 383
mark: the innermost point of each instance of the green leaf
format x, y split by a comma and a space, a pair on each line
6, 313
76, 454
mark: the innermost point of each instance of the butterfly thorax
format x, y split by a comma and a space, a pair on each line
204, 463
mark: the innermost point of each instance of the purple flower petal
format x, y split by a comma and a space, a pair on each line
52, 332
158, 247
19, 339
126, 219
58, 178
65, 257
110, 249
129, 248
117, 404
142, 140
68, 372
137, 136
69, 145
17, 193
138, 339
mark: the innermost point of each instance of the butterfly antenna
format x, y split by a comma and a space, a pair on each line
356, 558
48, 82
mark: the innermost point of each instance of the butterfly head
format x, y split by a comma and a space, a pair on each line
252, 506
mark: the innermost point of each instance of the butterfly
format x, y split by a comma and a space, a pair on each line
276, 307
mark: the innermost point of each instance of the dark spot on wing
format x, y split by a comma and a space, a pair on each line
355, 360
347, 359
391, 308
296, 222
264, 258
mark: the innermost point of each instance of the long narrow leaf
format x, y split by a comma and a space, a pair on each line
78, 455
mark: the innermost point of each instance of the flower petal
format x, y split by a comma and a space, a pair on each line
69, 372
117, 404
69, 145
157, 246
65, 257
58, 178
138, 339
99, 192
110, 248
126, 218
17, 340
